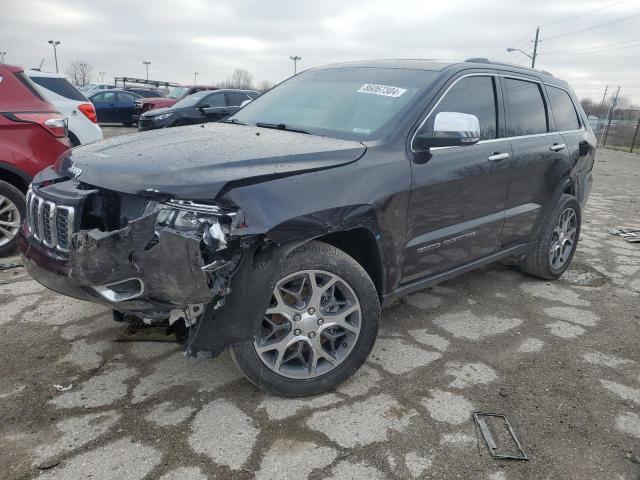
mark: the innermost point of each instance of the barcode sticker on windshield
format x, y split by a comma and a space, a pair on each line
385, 90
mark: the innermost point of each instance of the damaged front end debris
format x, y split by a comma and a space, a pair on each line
177, 261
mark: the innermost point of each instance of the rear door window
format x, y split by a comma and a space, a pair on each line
61, 86
526, 112
215, 100
476, 96
105, 97
564, 111
236, 98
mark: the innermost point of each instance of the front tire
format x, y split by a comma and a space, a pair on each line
319, 328
12, 211
552, 253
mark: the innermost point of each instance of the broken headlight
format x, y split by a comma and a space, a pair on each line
210, 222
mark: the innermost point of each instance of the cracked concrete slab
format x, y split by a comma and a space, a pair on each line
469, 374
348, 470
448, 407
623, 391
469, 325
396, 356
98, 391
582, 317
564, 329
292, 459
185, 473
423, 336
169, 413
363, 381
223, 433
280, 408
531, 345
363, 422
75, 432
629, 423
115, 461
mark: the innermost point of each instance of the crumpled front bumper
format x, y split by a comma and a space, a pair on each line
166, 264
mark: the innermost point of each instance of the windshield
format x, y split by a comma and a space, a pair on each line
347, 102
192, 99
177, 92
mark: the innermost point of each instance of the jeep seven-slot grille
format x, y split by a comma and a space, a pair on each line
50, 223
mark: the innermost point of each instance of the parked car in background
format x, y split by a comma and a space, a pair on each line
32, 136
146, 92
115, 106
202, 107
91, 88
175, 94
68, 100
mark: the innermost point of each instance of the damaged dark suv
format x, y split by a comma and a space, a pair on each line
281, 232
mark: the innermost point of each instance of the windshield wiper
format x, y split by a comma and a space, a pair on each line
281, 126
234, 121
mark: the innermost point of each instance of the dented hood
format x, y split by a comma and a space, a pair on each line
197, 162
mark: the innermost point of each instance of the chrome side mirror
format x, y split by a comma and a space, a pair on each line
450, 129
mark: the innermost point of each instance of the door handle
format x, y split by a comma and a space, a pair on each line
556, 147
496, 157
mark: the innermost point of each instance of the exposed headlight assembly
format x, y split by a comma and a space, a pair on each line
210, 221
163, 116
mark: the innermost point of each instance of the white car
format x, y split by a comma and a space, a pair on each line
69, 101
92, 88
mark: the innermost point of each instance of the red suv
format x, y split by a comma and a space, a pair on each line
32, 137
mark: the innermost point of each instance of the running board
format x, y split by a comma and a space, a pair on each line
412, 287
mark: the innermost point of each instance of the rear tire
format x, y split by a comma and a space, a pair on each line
552, 253
339, 341
13, 207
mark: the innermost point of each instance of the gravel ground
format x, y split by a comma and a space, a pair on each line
560, 359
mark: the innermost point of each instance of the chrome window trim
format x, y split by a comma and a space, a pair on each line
413, 137
493, 140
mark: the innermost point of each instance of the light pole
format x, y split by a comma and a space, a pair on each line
83, 70
54, 44
146, 64
102, 76
535, 49
195, 78
2, 54
295, 63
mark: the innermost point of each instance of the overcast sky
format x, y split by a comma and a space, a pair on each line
180, 37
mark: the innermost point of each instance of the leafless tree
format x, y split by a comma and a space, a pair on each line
265, 85
240, 78
79, 72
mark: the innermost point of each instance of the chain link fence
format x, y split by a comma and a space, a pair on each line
619, 130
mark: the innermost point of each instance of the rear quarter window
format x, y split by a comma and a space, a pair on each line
564, 111
526, 112
61, 86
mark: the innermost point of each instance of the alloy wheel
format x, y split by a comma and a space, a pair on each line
9, 220
563, 238
310, 326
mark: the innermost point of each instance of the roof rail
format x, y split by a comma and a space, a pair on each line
478, 60
506, 64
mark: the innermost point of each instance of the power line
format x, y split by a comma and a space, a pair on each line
594, 51
593, 48
575, 32
584, 14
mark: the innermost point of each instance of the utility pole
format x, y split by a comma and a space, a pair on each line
635, 137
535, 48
604, 97
83, 71
295, 63
195, 78
54, 44
146, 64
102, 76
605, 133
2, 54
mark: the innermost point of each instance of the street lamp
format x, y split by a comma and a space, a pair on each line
518, 50
83, 71
54, 44
146, 64
102, 76
195, 78
295, 63
2, 54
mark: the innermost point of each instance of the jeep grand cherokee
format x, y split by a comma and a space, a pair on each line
282, 232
